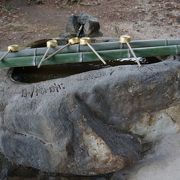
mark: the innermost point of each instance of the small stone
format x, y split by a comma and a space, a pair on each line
91, 27
72, 25
84, 17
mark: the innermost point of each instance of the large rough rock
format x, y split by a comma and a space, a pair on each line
163, 162
83, 124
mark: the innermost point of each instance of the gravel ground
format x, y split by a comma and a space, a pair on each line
142, 19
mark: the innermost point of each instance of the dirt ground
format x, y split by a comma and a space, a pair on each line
22, 23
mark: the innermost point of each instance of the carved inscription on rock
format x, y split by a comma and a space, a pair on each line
42, 90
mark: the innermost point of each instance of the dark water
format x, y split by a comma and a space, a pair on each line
34, 74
